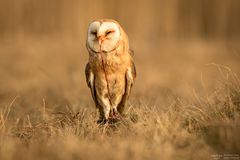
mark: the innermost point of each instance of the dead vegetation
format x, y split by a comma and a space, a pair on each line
186, 129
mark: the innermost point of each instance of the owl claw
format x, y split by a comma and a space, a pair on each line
113, 118
114, 115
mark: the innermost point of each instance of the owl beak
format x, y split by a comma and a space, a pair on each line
101, 39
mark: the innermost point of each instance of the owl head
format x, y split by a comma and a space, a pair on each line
104, 35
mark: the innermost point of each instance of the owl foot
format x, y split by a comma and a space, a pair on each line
108, 121
114, 116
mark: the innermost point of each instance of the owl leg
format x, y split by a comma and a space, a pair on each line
101, 114
106, 110
106, 107
115, 103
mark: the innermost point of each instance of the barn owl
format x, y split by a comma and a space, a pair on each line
110, 71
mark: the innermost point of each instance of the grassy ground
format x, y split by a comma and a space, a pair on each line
185, 103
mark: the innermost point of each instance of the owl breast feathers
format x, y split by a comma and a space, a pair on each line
110, 72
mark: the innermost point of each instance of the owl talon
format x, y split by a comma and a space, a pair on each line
114, 115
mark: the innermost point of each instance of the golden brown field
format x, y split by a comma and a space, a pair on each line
185, 103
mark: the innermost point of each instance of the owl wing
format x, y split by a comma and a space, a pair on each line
131, 52
130, 76
90, 82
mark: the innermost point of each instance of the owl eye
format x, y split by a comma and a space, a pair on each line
108, 32
94, 32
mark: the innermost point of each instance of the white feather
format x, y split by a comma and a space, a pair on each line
108, 44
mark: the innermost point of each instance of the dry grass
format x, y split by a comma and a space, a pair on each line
184, 110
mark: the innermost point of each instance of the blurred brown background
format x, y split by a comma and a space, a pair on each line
43, 55
153, 19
